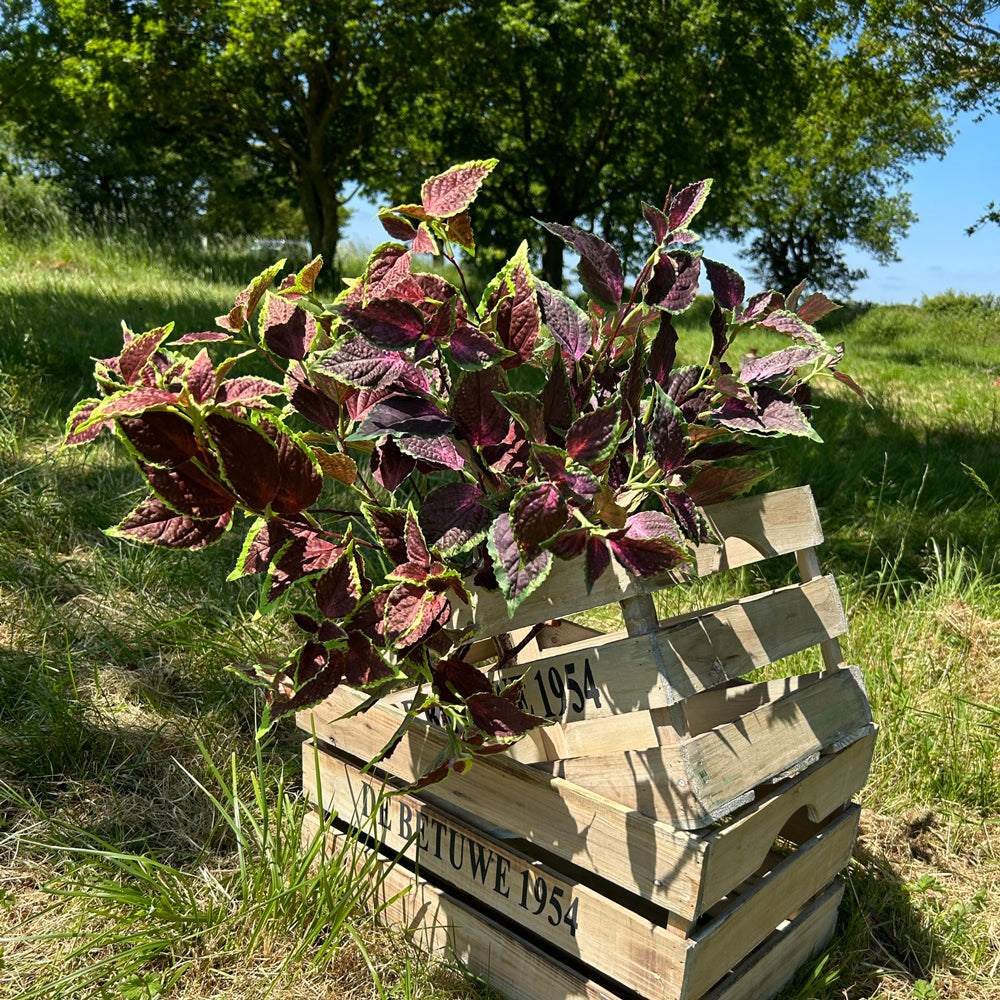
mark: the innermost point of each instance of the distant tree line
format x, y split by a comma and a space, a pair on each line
268, 115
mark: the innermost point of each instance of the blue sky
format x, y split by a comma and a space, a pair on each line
949, 195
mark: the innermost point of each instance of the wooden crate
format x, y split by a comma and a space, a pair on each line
676, 833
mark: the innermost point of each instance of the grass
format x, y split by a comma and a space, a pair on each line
149, 847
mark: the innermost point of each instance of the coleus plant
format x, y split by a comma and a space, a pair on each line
417, 445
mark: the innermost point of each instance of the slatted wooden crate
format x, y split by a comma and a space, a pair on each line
677, 832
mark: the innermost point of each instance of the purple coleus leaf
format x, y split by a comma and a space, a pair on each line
658, 222
567, 322
794, 326
130, 403
662, 279
203, 337
307, 554
249, 459
439, 452
684, 289
499, 718
815, 308
138, 352
455, 680
359, 363
338, 590
155, 523
558, 411
761, 305
452, 192
454, 517
668, 433
687, 203
537, 514
412, 613
517, 319
650, 543
390, 466
728, 286
479, 416
781, 364
80, 416
200, 378
770, 413
389, 527
247, 390
286, 330
404, 416
315, 406
600, 266
596, 561
247, 300
388, 267
363, 665
188, 490
517, 580
472, 349
592, 437
663, 352
715, 483
300, 481
392, 324
162, 437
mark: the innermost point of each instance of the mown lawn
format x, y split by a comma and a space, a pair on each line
149, 847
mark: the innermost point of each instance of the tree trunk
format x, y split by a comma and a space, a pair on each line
320, 202
552, 260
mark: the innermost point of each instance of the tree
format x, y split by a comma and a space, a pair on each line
593, 106
837, 175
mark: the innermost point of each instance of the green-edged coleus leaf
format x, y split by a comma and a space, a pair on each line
794, 326
566, 321
390, 466
558, 410
684, 289
286, 329
650, 543
663, 352
687, 203
413, 613
770, 412
761, 305
668, 433
815, 307
439, 452
314, 673
499, 718
657, 221
402, 415
392, 324
339, 588
139, 351
202, 337
304, 281
189, 490
155, 523
129, 403
479, 416
597, 559
537, 513
571, 476
247, 300
728, 286
388, 525
454, 517
472, 349
715, 483
527, 410
307, 553
80, 417
592, 437
779, 365
248, 457
600, 266
452, 192
247, 391
511, 309
200, 378
517, 579
300, 479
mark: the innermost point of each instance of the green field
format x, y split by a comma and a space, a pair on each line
150, 848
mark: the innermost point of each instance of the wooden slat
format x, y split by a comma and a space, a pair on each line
621, 673
442, 925
649, 858
710, 775
751, 529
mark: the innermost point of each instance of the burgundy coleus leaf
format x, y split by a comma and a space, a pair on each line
517, 579
536, 514
315, 406
567, 322
200, 378
558, 411
570, 543
318, 673
307, 554
687, 203
781, 364
247, 390
684, 290
401, 222
162, 437
728, 286
794, 326
455, 680
472, 349
138, 352
693, 524
681, 382
286, 330
300, 481
668, 433
719, 326
264, 540
357, 362
663, 352
815, 308
132, 402
404, 416
479, 416
417, 552
424, 241
453, 191
600, 266
510, 456
388, 267
203, 337
79, 416
662, 279
454, 516
596, 561
769, 413
635, 381
390, 466
412, 612
189, 490
650, 543
249, 459
761, 305
389, 527
657, 221
338, 590
499, 718
855, 388
246, 301
517, 318
439, 452
155, 523
363, 666
460, 231
592, 438
526, 409
715, 483
392, 324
